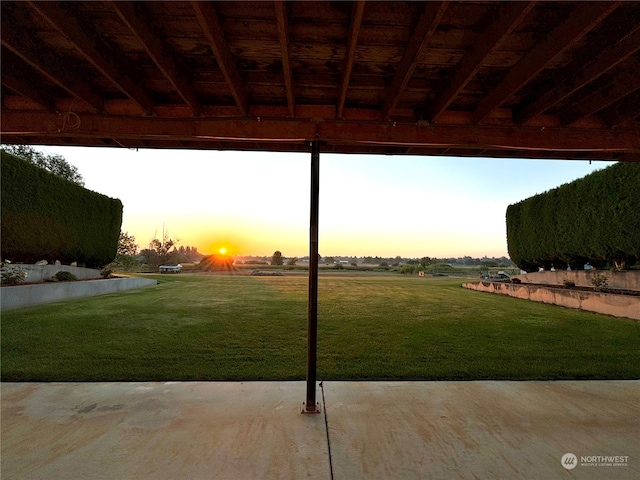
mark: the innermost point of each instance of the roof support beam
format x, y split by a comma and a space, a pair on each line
581, 20
422, 34
283, 35
21, 44
16, 77
626, 82
362, 134
490, 39
158, 51
622, 111
208, 19
92, 50
354, 30
571, 81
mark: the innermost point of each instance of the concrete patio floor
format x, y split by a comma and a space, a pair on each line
366, 430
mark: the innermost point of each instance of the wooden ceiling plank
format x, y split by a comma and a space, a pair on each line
347, 66
283, 36
625, 83
581, 20
490, 39
622, 111
21, 44
88, 45
573, 81
422, 34
158, 51
208, 19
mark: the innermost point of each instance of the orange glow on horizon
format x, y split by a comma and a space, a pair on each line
222, 246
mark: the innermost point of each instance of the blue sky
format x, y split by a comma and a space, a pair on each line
253, 203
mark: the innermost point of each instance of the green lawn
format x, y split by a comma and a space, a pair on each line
236, 327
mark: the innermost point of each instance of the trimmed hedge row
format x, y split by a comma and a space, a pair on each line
595, 219
45, 217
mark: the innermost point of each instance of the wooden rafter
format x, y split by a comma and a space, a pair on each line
42, 60
583, 19
422, 34
16, 77
573, 80
208, 20
622, 111
486, 43
282, 21
354, 30
91, 49
626, 82
158, 51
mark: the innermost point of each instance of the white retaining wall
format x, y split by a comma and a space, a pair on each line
629, 280
27, 295
607, 303
40, 273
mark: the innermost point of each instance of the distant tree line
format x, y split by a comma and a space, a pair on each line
595, 219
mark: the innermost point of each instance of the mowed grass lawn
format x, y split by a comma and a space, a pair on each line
233, 327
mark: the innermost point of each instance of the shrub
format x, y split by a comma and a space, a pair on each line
600, 281
64, 276
106, 271
593, 219
12, 274
47, 217
568, 283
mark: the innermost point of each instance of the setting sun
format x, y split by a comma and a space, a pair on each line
222, 251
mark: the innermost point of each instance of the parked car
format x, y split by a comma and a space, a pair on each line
498, 277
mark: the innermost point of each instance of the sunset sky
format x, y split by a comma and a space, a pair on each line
256, 203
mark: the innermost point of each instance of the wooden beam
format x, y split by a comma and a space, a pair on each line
510, 15
159, 52
24, 82
573, 80
422, 34
46, 62
479, 137
208, 19
622, 111
91, 48
283, 35
354, 30
361, 134
581, 20
621, 86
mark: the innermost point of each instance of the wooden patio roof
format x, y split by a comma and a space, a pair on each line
481, 78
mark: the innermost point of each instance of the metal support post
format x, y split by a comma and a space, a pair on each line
311, 406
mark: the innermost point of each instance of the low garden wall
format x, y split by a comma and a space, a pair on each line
38, 294
40, 273
607, 303
627, 280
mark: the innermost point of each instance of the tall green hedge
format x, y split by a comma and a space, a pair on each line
594, 219
45, 217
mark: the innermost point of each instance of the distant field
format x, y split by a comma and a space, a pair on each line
238, 327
